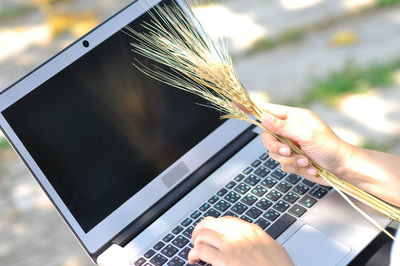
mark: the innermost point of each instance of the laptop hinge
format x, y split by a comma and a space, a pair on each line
165, 203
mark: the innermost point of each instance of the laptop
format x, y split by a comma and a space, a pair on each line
132, 165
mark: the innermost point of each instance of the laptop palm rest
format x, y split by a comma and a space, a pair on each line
308, 243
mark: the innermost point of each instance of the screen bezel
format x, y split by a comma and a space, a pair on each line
122, 216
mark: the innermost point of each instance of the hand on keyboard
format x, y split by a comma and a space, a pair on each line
232, 241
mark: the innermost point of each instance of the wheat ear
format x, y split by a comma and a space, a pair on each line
192, 61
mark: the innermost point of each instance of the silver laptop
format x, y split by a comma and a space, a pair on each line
132, 165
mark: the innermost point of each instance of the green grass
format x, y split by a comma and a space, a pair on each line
351, 79
294, 35
4, 145
13, 11
286, 37
384, 3
375, 146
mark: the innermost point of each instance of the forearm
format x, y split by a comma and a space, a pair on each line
375, 172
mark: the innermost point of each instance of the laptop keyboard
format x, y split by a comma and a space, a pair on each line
262, 194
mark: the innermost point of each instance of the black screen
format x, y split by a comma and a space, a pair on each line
100, 130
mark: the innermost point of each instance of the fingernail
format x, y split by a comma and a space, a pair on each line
312, 171
302, 162
268, 118
284, 151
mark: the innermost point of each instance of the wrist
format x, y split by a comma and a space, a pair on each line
348, 155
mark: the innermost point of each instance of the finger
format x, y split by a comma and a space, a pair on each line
275, 124
203, 252
209, 237
290, 169
217, 225
273, 145
279, 111
239, 229
309, 173
201, 225
294, 160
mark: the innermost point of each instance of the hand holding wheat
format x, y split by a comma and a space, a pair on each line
198, 64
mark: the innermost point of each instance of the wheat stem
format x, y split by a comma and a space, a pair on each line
193, 62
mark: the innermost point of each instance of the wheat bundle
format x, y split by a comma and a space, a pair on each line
196, 63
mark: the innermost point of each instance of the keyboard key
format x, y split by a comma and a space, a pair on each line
176, 262
177, 230
297, 210
232, 197
229, 213
242, 188
261, 222
230, 185
158, 260
249, 199
184, 253
253, 212
169, 251
271, 164
204, 207
248, 170
271, 215
259, 191
256, 163
293, 179
280, 225
307, 201
213, 199
326, 187
148, 264
269, 182
196, 214
252, 180
281, 206
168, 238
222, 205
188, 232
283, 187
212, 213
186, 222
263, 204
159, 245
180, 241
278, 174
318, 192
300, 189
262, 172
239, 208
274, 195
222, 192
149, 254
263, 157
308, 182
245, 218
239, 177
291, 197
198, 221
139, 262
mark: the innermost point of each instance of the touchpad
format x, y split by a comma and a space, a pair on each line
309, 247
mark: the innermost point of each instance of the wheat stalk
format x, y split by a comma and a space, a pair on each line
192, 61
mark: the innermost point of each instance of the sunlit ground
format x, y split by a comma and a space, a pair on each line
31, 233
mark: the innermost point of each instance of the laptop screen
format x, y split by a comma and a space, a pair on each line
100, 130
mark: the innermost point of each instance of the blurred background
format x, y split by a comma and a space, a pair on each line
340, 58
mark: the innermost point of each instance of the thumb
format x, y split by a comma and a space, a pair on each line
277, 125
